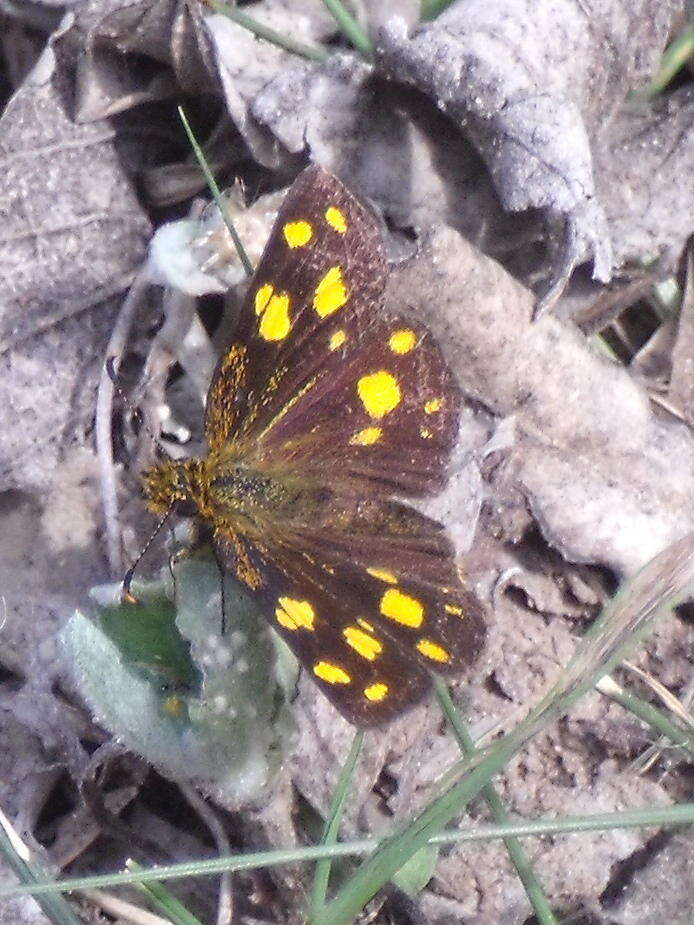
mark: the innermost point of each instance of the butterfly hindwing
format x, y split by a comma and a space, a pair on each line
369, 610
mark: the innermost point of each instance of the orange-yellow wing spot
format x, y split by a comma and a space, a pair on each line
402, 341
402, 608
293, 614
367, 646
453, 608
262, 297
337, 339
333, 674
275, 322
297, 234
425, 433
331, 293
379, 393
376, 692
433, 651
174, 705
336, 219
433, 405
366, 437
383, 575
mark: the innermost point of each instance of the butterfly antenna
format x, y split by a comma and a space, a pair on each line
126, 595
132, 408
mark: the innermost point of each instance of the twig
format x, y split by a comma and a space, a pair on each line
225, 908
104, 407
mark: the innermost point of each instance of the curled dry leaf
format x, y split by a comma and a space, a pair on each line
537, 95
73, 234
532, 86
645, 178
139, 52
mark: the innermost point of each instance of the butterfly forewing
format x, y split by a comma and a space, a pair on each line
322, 274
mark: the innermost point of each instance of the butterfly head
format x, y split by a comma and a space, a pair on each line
180, 486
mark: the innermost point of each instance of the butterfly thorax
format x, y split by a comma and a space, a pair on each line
230, 492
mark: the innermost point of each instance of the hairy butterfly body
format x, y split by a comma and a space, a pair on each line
321, 414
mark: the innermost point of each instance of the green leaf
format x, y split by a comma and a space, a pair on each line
415, 873
200, 707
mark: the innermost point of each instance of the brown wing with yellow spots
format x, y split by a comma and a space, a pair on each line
368, 608
386, 413
317, 376
321, 279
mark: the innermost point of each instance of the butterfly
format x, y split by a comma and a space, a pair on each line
322, 416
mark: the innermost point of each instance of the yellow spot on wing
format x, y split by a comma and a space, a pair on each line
367, 646
331, 293
294, 615
376, 692
433, 651
433, 405
365, 625
275, 322
174, 705
262, 297
402, 341
425, 433
297, 234
337, 339
336, 219
402, 608
383, 575
333, 674
366, 437
379, 393
452, 608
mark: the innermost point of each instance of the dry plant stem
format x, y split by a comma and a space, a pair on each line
123, 911
104, 408
166, 347
225, 908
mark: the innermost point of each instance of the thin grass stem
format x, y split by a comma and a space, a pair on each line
259, 29
351, 28
519, 858
216, 194
332, 823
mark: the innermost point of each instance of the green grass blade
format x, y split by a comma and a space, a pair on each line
519, 859
216, 194
657, 816
164, 901
351, 28
54, 906
661, 724
675, 57
430, 9
301, 49
332, 823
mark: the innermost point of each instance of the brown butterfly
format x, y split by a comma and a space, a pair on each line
320, 415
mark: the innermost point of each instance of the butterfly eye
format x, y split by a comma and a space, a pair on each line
187, 508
